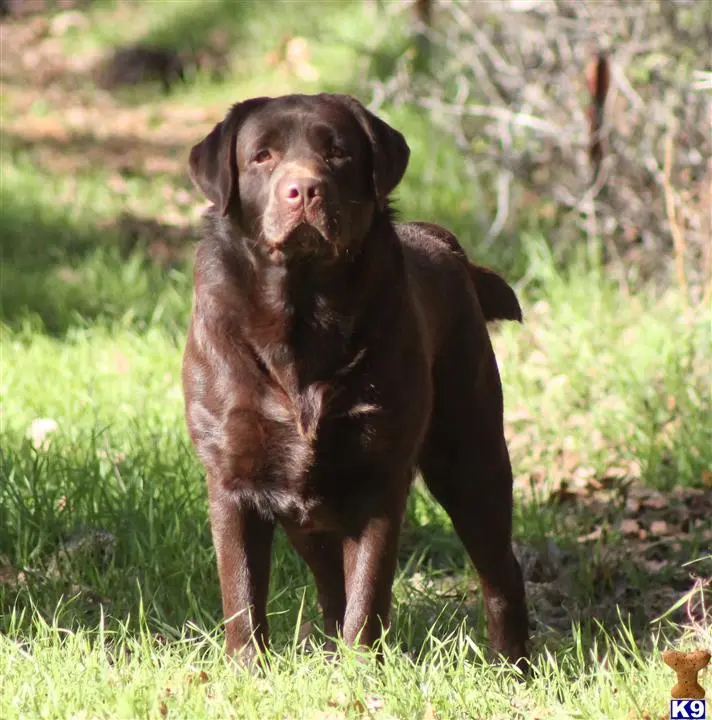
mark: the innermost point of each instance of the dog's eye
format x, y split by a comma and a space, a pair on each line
261, 156
336, 153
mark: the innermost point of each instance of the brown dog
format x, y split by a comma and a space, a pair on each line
331, 353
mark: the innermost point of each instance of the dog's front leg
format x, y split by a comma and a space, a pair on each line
243, 545
369, 568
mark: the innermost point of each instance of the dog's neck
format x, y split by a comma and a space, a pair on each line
302, 319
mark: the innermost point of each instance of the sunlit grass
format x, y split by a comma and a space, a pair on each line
96, 672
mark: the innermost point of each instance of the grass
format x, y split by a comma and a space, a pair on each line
109, 603
102, 673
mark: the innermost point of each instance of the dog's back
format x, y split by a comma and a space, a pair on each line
438, 265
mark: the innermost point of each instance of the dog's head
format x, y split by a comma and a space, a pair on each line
302, 175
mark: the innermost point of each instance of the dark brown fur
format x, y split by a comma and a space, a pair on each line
332, 353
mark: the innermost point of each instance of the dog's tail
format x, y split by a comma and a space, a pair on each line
497, 299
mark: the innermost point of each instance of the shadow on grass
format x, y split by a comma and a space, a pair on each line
580, 570
58, 272
83, 152
189, 26
72, 259
23, 8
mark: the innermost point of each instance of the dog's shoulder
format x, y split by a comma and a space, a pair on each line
429, 238
432, 254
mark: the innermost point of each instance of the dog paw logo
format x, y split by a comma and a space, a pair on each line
688, 696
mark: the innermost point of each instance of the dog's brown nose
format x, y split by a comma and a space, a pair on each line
302, 191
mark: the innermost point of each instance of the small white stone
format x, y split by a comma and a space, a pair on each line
39, 430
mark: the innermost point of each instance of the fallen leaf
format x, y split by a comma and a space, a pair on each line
655, 566
656, 501
113, 456
117, 184
595, 534
374, 703
430, 713
338, 699
68, 20
121, 363
629, 526
162, 165
69, 275
39, 430
182, 197
658, 527
359, 707
297, 51
632, 505
9, 576
615, 472
271, 59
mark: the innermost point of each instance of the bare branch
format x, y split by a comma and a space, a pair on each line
510, 86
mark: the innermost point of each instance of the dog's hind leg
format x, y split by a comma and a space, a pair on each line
466, 467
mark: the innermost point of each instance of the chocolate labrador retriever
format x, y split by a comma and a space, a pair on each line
332, 353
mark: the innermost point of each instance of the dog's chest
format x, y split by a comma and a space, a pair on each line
304, 446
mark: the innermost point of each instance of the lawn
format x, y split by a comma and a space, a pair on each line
109, 602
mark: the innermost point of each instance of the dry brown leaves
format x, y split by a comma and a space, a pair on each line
77, 126
78, 129
292, 56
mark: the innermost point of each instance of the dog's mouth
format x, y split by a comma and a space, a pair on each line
305, 237
303, 240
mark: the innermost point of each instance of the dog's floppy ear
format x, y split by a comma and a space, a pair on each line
390, 150
213, 163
